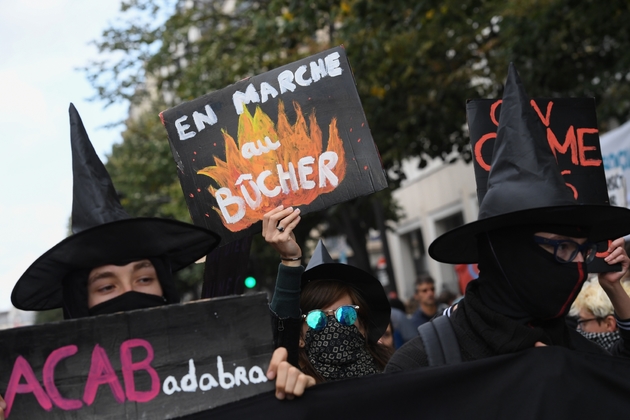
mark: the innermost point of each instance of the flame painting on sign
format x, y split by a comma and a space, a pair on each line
274, 164
293, 136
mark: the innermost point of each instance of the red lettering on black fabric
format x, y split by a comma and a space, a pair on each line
49, 378
22, 369
479, 146
102, 372
129, 367
583, 148
575, 192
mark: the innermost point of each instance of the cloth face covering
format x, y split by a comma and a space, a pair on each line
127, 302
605, 339
339, 351
522, 280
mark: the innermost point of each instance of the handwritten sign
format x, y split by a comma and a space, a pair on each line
296, 135
156, 363
572, 134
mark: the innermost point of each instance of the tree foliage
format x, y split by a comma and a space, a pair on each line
416, 62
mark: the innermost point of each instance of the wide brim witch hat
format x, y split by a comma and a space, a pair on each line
321, 266
103, 232
525, 187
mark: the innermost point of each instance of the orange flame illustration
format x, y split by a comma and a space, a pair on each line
273, 165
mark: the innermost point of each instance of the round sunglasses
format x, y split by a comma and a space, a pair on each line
317, 319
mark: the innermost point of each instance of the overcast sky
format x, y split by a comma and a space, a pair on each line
42, 42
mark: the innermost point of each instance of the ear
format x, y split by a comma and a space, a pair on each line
611, 323
302, 344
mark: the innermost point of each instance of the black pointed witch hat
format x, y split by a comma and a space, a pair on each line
525, 187
322, 267
103, 232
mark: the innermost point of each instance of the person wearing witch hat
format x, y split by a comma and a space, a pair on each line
533, 243
327, 319
112, 262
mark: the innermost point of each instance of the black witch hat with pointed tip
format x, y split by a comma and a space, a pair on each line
322, 267
525, 187
103, 232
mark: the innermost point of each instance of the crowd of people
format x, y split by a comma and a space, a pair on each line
333, 321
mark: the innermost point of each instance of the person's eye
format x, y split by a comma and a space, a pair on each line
566, 246
106, 288
146, 280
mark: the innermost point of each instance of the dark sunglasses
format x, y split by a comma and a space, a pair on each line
318, 319
565, 250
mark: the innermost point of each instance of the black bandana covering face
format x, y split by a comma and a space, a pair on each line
339, 351
128, 301
604, 339
526, 282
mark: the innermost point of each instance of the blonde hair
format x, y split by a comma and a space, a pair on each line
593, 298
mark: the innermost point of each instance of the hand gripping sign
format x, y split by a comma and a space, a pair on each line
296, 136
157, 363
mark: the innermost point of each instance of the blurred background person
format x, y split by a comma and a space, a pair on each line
595, 314
425, 296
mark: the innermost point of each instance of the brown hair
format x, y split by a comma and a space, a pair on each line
321, 293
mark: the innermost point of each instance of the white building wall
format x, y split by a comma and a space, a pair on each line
428, 197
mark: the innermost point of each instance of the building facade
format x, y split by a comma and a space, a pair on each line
434, 200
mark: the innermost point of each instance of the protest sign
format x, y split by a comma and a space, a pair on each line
572, 135
616, 153
296, 136
157, 363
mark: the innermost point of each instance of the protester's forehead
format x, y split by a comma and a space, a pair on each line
136, 264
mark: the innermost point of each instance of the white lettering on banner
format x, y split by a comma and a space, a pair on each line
251, 149
227, 380
329, 66
304, 75
200, 119
232, 206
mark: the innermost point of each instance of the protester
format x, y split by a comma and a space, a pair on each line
112, 262
595, 315
425, 296
533, 243
402, 327
328, 319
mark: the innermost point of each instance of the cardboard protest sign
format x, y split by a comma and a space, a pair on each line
572, 134
158, 363
296, 136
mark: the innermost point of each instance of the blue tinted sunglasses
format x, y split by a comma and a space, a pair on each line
318, 319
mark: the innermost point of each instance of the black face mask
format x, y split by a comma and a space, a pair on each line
127, 302
522, 280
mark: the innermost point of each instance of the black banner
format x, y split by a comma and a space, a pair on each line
157, 363
542, 383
